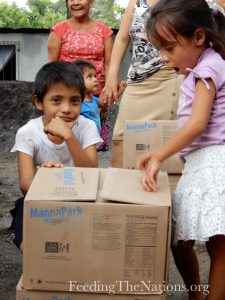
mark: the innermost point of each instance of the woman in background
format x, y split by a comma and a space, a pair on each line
152, 89
81, 37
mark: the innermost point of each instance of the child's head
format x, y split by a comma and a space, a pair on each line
89, 74
59, 90
58, 72
176, 22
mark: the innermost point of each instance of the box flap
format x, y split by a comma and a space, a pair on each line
62, 184
19, 284
124, 185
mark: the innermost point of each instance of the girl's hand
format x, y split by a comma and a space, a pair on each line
149, 163
51, 164
59, 128
142, 161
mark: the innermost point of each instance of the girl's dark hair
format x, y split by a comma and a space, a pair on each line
58, 72
82, 64
183, 17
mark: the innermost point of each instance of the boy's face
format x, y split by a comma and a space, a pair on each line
60, 101
90, 80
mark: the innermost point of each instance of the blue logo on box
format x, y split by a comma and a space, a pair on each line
141, 126
69, 179
59, 212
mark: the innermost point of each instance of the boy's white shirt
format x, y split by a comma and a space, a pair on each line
32, 140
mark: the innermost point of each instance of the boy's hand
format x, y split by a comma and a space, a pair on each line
59, 128
149, 163
52, 164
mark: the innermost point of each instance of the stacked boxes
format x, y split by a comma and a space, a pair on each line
91, 233
142, 136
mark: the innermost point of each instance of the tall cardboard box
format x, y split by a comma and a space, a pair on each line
23, 294
73, 242
142, 136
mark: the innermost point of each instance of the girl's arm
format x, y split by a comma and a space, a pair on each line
122, 40
54, 47
201, 109
26, 171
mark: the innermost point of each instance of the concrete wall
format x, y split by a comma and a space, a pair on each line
31, 54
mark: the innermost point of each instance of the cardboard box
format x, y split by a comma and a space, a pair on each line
74, 245
142, 136
23, 294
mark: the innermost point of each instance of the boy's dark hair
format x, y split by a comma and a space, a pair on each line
82, 64
58, 72
183, 17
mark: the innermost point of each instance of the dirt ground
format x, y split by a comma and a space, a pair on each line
16, 109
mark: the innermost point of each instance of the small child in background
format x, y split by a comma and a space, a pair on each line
91, 104
61, 137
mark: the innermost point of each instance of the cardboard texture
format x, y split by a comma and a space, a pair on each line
23, 294
142, 136
124, 186
73, 245
65, 184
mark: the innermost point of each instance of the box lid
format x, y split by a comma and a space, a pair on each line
64, 184
124, 185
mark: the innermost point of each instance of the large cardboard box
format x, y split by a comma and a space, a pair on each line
23, 294
142, 136
71, 244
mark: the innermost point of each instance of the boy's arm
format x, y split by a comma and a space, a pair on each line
26, 171
81, 157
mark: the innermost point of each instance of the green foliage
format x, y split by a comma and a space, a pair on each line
45, 13
107, 12
12, 17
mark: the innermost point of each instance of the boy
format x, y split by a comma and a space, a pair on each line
61, 137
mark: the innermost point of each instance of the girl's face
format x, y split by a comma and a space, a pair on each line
79, 8
180, 52
60, 101
91, 82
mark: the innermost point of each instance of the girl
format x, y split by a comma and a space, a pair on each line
191, 39
81, 37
